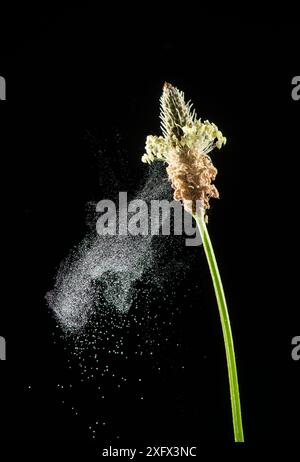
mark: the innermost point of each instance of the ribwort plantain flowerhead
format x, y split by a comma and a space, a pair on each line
184, 146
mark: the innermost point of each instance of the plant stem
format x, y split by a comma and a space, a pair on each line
226, 328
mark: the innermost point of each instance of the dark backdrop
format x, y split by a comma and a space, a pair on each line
75, 79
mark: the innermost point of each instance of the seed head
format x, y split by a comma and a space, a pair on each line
184, 146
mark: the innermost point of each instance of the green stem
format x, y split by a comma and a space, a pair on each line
227, 334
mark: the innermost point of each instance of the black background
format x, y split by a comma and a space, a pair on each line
79, 76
